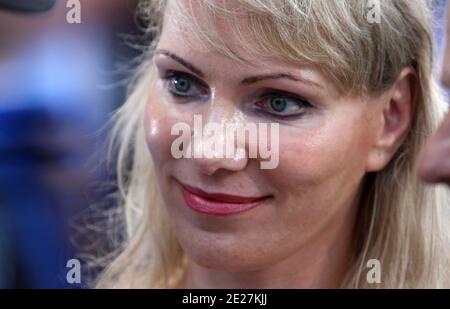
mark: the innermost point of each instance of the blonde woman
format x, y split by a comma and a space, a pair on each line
354, 97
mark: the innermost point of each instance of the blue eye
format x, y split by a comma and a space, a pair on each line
279, 105
182, 85
283, 105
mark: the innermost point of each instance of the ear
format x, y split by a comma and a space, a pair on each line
398, 107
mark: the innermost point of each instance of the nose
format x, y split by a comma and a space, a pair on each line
216, 147
210, 166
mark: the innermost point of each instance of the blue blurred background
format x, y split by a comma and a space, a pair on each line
58, 84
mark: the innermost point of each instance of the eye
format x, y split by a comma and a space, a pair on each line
182, 85
283, 105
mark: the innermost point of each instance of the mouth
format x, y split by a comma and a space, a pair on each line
219, 204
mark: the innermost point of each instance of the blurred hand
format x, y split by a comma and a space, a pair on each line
434, 161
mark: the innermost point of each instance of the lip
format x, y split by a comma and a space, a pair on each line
218, 204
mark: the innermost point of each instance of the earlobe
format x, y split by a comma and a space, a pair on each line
397, 114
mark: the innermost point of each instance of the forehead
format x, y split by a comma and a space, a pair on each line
192, 24
181, 39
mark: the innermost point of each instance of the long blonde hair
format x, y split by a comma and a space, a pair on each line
401, 222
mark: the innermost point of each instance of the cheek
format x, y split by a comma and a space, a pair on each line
322, 165
157, 125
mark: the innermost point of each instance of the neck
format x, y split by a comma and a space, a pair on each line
321, 263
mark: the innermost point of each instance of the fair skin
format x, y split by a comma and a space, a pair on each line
301, 235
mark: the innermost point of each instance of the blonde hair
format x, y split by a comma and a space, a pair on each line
401, 222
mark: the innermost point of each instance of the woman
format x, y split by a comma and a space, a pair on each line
353, 98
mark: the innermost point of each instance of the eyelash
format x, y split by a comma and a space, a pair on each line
173, 74
301, 102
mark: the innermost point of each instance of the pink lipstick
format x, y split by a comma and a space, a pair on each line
218, 204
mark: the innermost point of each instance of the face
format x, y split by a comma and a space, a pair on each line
228, 213
434, 164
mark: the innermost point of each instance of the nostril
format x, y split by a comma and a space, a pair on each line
210, 166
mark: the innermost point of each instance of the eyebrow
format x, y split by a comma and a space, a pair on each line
246, 81
181, 61
258, 78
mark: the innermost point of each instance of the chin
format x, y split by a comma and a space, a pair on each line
224, 253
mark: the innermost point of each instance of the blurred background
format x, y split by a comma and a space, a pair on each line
59, 83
